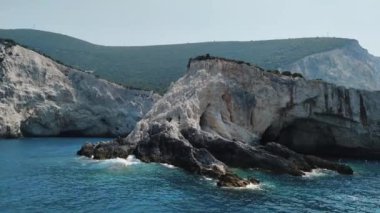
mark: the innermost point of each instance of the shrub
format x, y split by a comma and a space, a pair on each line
295, 75
7, 42
274, 72
287, 73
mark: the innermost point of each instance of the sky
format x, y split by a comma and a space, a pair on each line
150, 22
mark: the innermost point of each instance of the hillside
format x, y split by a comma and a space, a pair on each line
155, 67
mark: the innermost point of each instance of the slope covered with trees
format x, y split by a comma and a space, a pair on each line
155, 67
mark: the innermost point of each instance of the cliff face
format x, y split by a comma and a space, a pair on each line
237, 102
217, 114
350, 66
40, 97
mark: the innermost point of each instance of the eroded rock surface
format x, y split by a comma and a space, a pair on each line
40, 97
245, 104
350, 66
215, 116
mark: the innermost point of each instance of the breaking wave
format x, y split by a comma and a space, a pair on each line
317, 173
115, 163
168, 165
250, 186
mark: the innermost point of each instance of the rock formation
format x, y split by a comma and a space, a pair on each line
239, 102
350, 66
40, 97
216, 115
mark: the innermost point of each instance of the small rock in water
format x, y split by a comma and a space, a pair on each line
232, 180
87, 150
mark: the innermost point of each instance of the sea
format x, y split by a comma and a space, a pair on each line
46, 175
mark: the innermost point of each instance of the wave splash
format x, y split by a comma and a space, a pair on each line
317, 173
168, 165
250, 186
115, 163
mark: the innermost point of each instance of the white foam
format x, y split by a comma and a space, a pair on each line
207, 178
316, 173
353, 198
253, 186
114, 163
250, 186
168, 165
131, 160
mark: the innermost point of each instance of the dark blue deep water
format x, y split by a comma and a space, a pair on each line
44, 175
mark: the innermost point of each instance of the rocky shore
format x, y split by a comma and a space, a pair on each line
203, 159
226, 113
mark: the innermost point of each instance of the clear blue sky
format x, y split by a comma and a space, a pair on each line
145, 22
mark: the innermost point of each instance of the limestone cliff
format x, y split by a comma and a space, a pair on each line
239, 102
350, 66
215, 115
40, 97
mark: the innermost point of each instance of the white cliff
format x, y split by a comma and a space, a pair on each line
349, 66
40, 97
215, 115
238, 102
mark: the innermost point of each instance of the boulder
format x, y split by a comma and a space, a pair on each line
105, 150
231, 180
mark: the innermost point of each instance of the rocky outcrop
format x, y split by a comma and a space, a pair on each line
350, 66
215, 116
243, 103
40, 97
211, 157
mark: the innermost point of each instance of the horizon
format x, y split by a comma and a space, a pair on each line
149, 22
148, 45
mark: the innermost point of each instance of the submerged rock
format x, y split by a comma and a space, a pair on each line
231, 180
87, 150
324, 164
41, 97
106, 150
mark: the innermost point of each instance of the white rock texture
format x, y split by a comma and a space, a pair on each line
350, 66
40, 97
238, 102
214, 116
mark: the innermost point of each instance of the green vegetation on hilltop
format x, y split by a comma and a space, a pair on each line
155, 67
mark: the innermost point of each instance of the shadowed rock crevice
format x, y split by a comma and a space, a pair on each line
310, 136
270, 157
363, 112
307, 136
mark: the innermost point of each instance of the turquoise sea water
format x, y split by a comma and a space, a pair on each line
45, 175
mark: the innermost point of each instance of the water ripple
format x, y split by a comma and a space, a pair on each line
43, 175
